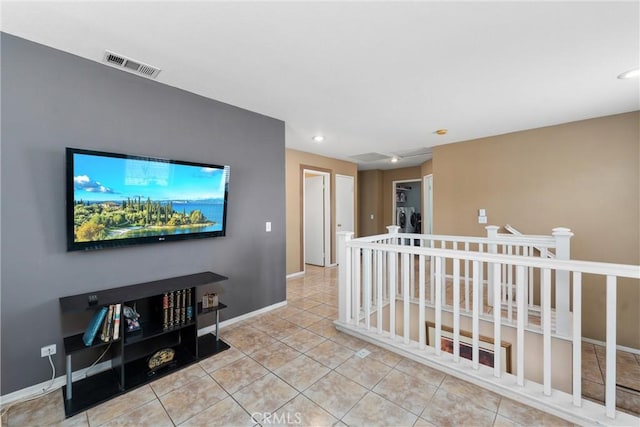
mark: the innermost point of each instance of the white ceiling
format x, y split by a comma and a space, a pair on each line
370, 76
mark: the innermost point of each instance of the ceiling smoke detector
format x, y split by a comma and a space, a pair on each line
121, 61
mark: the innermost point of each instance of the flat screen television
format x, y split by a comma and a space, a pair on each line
118, 200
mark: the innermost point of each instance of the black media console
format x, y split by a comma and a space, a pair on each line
130, 353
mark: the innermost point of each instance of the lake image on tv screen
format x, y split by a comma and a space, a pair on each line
117, 198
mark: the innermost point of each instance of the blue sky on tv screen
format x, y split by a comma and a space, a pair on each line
99, 178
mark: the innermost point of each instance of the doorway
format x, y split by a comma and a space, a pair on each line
407, 205
316, 218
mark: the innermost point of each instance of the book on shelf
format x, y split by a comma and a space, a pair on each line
183, 307
189, 306
109, 321
93, 327
103, 334
176, 308
171, 302
165, 310
116, 321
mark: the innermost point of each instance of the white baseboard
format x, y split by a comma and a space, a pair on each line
294, 275
619, 347
212, 328
39, 389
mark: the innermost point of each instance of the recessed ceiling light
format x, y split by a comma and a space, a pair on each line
394, 159
318, 138
441, 132
635, 72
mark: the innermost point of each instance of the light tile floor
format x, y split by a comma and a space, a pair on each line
291, 367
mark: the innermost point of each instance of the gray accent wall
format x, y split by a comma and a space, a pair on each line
51, 100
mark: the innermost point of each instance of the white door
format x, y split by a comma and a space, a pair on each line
345, 211
314, 220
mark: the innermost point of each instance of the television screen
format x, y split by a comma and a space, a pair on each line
117, 200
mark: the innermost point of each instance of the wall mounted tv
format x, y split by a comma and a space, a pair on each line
117, 200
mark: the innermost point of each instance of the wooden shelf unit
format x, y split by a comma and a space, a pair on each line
130, 352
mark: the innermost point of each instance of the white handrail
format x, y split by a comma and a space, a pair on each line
587, 267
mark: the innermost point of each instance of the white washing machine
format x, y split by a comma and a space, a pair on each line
409, 212
401, 219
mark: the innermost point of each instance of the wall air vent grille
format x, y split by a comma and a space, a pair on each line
118, 60
129, 64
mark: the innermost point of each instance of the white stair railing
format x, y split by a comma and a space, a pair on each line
524, 245
373, 269
516, 232
560, 239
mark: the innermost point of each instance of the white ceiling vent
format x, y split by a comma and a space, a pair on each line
370, 157
129, 64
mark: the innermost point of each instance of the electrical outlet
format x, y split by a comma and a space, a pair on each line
48, 350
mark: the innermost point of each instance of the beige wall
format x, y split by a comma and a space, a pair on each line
370, 202
582, 175
295, 162
427, 168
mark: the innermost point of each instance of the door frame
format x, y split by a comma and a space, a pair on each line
326, 174
427, 203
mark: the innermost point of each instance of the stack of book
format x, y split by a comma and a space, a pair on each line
176, 308
107, 322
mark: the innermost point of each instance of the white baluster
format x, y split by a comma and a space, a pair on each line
405, 292
492, 234
456, 310
481, 293
412, 273
438, 313
357, 284
393, 278
466, 279
546, 330
497, 319
610, 380
432, 276
521, 308
366, 299
380, 274
475, 321
577, 338
421, 300
503, 285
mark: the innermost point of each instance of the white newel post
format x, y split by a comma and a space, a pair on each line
492, 234
563, 251
393, 229
344, 275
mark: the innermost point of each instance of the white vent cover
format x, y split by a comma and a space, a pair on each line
370, 157
422, 151
129, 64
